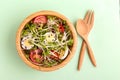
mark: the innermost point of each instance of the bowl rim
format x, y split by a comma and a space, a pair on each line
19, 49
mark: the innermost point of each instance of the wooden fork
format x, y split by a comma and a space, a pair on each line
88, 20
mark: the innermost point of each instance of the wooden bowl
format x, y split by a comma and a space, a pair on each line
21, 53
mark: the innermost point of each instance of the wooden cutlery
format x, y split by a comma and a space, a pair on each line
83, 28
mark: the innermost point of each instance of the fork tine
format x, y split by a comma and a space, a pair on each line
87, 16
92, 19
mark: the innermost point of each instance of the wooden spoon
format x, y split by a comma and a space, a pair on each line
89, 18
82, 30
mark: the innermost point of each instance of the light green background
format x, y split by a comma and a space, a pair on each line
104, 39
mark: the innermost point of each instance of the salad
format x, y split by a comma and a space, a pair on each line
46, 40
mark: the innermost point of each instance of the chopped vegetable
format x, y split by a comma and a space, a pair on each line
46, 40
36, 56
40, 19
61, 28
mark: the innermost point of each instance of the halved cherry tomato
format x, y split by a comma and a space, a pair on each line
40, 19
61, 28
36, 55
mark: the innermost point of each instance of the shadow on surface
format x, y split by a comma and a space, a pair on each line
14, 61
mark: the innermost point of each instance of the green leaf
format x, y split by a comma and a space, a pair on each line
38, 60
70, 42
64, 22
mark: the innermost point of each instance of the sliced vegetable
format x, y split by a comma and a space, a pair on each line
40, 19
36, 56
46, 40
61, 28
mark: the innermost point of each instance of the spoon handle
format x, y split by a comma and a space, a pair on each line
90, 52
81, 55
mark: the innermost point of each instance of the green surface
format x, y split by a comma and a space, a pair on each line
104, 39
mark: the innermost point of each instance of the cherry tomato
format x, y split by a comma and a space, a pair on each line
40, 19
36, 55
61, 28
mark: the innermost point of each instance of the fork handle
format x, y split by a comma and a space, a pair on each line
81, 55
90, 52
